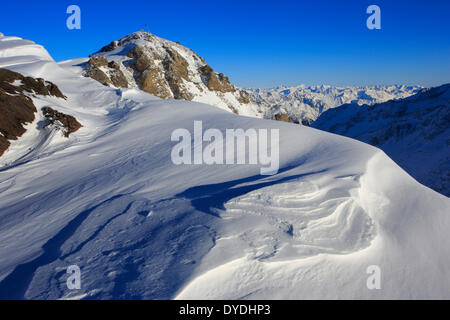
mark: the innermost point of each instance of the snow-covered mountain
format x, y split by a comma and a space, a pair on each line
165, 69
109, 199
170, 70
414, 132
302, 104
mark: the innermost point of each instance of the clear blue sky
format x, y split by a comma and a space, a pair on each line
260, 43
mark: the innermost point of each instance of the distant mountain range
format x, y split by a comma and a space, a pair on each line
303, 104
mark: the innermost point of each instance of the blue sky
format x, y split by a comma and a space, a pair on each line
261, 43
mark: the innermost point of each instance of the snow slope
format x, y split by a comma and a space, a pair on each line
305, 104
415, 132
109, 200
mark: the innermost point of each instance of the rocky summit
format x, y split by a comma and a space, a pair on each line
165, 69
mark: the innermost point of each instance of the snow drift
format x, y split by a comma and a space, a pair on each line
109, 200
414, 132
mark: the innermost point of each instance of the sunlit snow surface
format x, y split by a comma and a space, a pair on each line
109, 200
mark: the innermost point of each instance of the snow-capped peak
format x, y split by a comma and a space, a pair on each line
165, 69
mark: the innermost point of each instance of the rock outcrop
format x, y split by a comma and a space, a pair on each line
107, 73
217, 82
14, 83
282, 117
66, 123
16, 104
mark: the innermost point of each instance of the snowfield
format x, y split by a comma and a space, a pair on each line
109, 200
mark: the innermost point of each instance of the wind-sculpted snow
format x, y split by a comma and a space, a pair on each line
118, 244
297, 219
399, 248
109, 200
414, 132
19, 50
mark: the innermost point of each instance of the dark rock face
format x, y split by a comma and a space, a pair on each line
176, 70
282, 117
98, 62
117, 77
150, 81
109, 47
307, 122
114, 65
166, 82
143, 62
16, 108
4, 145
27, 84
216, 82
147, 75
243, 97
15, 112
69, 123
114, 77
98, 75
